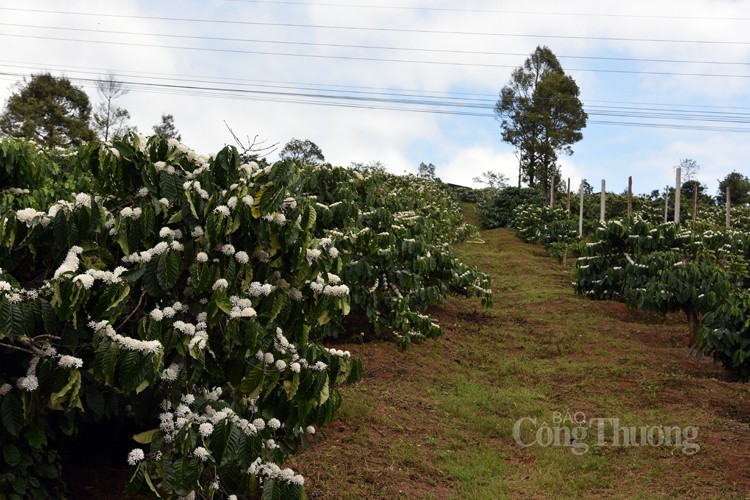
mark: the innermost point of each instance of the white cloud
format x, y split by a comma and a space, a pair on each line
461, 147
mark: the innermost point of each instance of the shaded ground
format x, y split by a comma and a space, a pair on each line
436, 420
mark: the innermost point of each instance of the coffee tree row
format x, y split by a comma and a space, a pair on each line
188, 295
669, 268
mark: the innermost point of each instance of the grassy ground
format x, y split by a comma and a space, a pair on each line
437, 420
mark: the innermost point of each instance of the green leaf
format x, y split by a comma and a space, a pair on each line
35, 436
11, 413
168, 186
146, 437
151, 484
324, 393
291, 386
109, 362
11, 454
256, 203
68, 393
308, 218
222, 301
252, 384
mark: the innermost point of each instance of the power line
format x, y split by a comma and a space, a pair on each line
436, 106
335, 87
368, 59
489, 11
376, 29
367, 47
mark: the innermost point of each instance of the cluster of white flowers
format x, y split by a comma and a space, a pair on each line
161, 166
67, 361
170, 373
83, 200
266, 358
223, 210
227, 249
220, 284
16, 191
30, 382
147, 255
201, 453
108, 277
242, 257
338, 353
205, 429
269, 470
276, 217
168, 312
27, 216
335, 290
71, 262
313, 254
295, 294
256, 289
166, 232
241, 308
249, 168
148, 346
85, 280
5, 389
248, 200
196, 186
135, 456
131, 213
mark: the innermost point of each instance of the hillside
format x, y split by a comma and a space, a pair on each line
436, 420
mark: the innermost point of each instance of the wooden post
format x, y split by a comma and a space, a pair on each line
677, 189
630, 196
602, 208
580, 213
666, 204
568, 203
695, 201
729, 207
552, 194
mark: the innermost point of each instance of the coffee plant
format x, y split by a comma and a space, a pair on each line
188, 295
669, 268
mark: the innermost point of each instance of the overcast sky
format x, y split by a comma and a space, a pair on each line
408, 81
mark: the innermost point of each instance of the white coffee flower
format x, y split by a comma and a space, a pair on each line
242, 257
274, 423
70, 362
205, 429
201, 453
135, 456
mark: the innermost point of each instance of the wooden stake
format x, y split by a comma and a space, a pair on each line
552, 194
580, 214
677, 189
630, 197
666, 204
603, 202
568, 203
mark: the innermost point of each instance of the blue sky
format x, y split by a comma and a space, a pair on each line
448, 51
